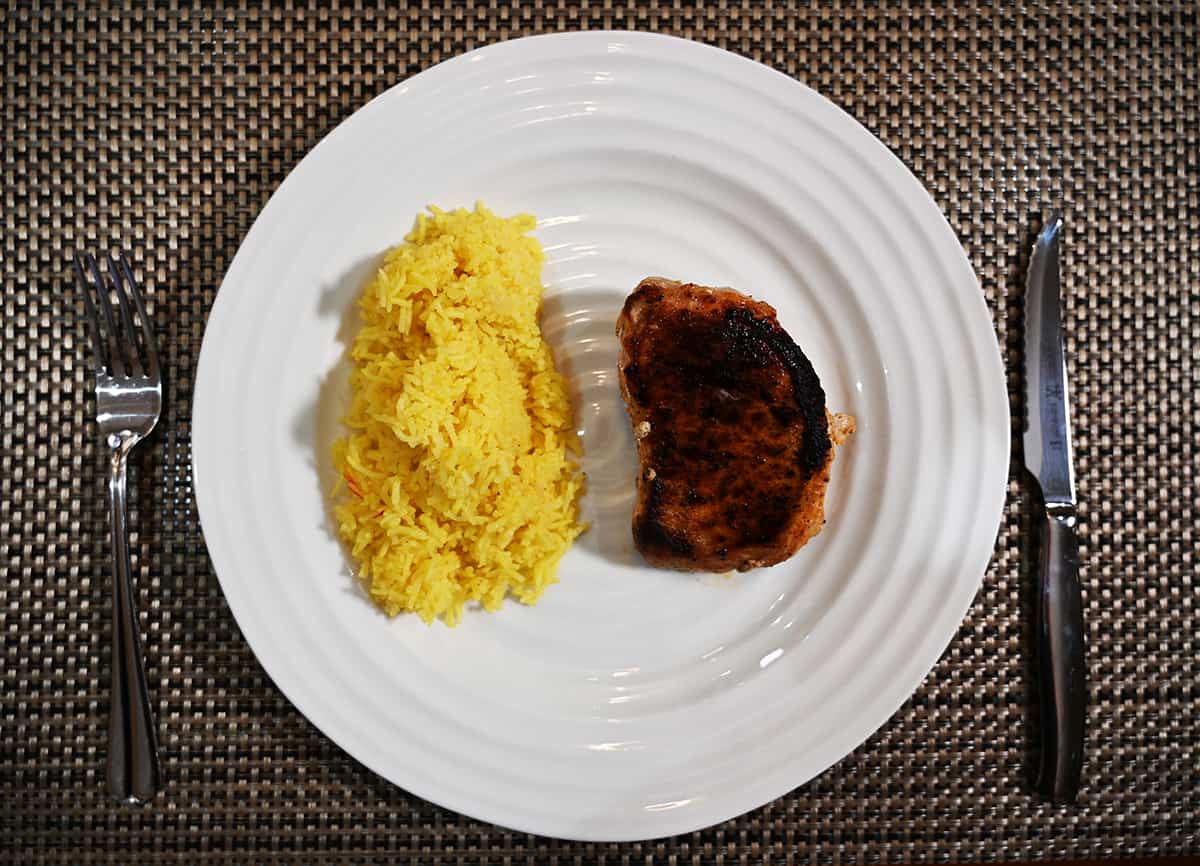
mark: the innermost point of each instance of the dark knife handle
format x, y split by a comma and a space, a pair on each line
1060, 650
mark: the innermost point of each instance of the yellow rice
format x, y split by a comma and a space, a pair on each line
460, 483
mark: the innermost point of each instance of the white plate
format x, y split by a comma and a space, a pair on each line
630, 703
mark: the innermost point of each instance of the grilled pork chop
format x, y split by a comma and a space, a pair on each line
734, 441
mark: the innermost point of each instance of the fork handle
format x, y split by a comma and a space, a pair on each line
132, 749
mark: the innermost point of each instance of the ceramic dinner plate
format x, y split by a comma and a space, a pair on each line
630, 702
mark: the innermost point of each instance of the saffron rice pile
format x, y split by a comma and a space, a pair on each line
459, 480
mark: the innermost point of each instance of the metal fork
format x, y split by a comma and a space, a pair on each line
128, 403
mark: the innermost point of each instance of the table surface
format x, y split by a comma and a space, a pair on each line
167, 131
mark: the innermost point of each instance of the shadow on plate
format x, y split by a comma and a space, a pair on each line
319, 424
580, 328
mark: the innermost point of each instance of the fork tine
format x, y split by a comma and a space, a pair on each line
84, 288
116, 345
147, 331
129, 335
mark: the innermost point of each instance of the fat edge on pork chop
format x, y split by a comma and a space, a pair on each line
734, 441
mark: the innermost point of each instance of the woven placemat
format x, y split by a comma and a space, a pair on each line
168, 130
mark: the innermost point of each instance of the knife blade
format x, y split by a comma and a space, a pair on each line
1048, 458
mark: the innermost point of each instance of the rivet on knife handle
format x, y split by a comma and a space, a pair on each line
1048, 457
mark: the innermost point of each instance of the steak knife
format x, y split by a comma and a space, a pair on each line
1048, 457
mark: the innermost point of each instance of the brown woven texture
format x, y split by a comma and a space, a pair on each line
166, 131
